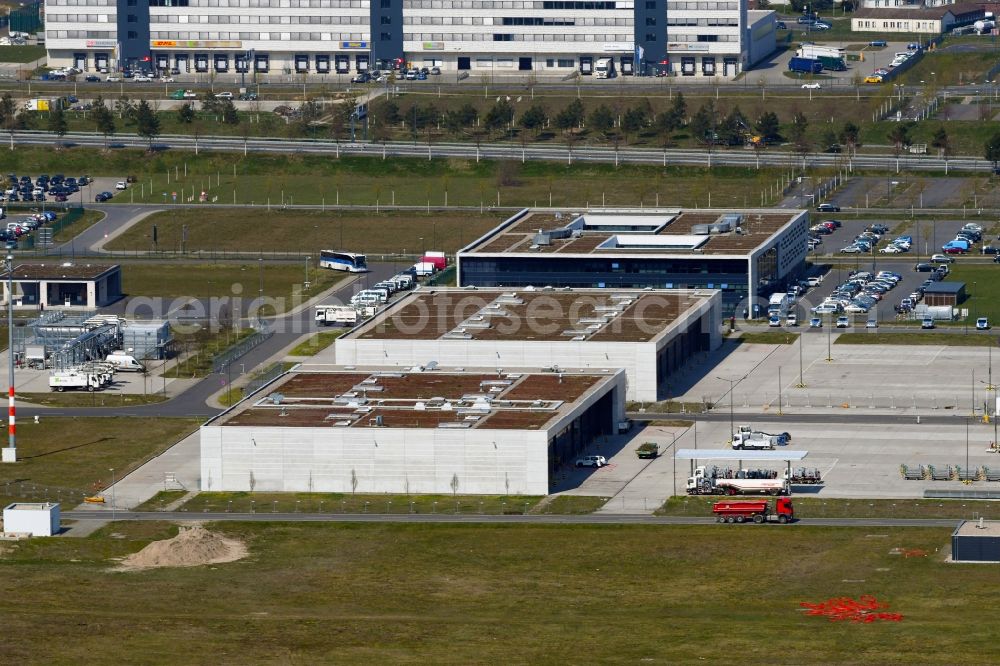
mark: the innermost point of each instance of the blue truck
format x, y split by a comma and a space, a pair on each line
805, 65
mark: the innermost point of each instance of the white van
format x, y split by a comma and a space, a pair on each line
125, 362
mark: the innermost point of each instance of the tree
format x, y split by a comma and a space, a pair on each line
679, 109
185, 114
390, 112
104, 120
209, 102
602, 119
733, 128
57, 119
499, 115
991, 150
941, 141
634, 120
850, 136
828, 140
125, 108
534, 118
703, 124
900, 136
8, 109
799, 128
229, 114
571, 116
148, 123
768, 127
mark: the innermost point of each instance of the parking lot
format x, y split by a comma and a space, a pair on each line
854, 461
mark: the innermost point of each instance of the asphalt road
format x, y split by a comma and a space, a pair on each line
467, 519
288, 328
853, 418
675, 156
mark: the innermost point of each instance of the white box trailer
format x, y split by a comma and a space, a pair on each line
74, 380
816, 51
342, 315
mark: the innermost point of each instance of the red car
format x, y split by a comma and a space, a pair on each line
954, 250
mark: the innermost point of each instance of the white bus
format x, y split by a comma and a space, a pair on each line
343, 261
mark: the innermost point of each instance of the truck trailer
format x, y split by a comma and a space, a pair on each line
747, 438
805, 65
704, 482
756, 511
339, 315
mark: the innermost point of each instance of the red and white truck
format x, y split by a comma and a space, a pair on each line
439, 259
757, 511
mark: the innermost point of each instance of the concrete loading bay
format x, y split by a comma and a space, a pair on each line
856, 461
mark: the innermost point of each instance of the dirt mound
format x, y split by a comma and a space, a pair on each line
192, 547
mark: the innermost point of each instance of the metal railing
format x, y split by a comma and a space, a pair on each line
239, 349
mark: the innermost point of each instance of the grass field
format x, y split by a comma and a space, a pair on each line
219, 280
916, 338
463, 594
372, 181
200, 347
76, 453
817, 507
316, 343
982, 288
20, 54
769, 338
308, 232
243, 502
95, 399
87, 220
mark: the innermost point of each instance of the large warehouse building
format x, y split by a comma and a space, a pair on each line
424, 430
322, 37
746, 254
650, 334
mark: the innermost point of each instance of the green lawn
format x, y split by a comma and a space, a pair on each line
769, 338
943, 68
21, 54
75, 454
851, 508
244, 502
474, 594
281, 281
95, 399
316, 343
982, 288
88, 219
916, 338
308, 232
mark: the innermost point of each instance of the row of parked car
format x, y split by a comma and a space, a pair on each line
59, 187
966, 236
859, 293
898, 59
14, 230
407, 74
868, 239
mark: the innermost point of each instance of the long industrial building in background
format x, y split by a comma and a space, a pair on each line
258, 39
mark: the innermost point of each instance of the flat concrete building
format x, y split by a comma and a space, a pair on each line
747, 254
944, 293
976, 541
64, 285
650, 334
382, 430
258, 39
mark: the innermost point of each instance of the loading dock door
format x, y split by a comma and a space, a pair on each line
362, 63
262, 64
323, 64
201, 62
221, 62
101, 61
240, 63
162, 61
80, 61
524, 64
343, 64
182, 64
586, 65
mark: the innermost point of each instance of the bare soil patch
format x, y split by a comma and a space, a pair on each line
192, 547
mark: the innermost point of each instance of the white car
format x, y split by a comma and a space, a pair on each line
113, 79
224, 95
142, 78
850, 249
591, 461
811, 86
891, 249
121, 185
166, 79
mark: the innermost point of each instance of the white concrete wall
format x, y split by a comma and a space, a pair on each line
38, 520
637, 359
382, 460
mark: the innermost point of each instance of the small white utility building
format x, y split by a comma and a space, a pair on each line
34, 518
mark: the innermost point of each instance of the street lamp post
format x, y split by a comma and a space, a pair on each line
260, 265
802, 383
829, 337
113, 505
308, 259
10, 453
732, 386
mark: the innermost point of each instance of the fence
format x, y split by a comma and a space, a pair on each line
263, 378
239, 349
26, 19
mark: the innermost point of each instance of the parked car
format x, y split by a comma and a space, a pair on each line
591, 461
923, 268
225, 94
101, 197
843, 322
815, 322
942, 259
982, 324
828, 208
142, 78
361, 77
927, 323
121, 185
90, 78
811, 86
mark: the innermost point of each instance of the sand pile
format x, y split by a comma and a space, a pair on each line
193, 546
